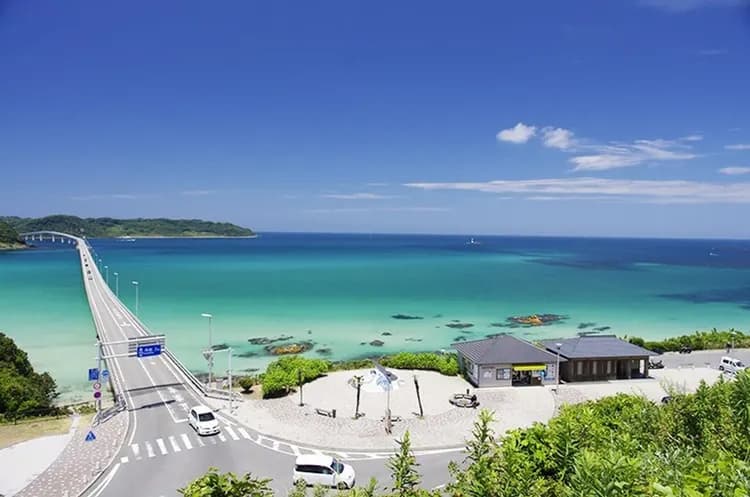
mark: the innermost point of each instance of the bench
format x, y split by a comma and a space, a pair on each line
323, 412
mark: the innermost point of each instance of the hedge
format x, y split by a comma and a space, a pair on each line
446, 364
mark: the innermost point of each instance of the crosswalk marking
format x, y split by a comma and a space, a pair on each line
149, 449
232, 433
244, 433
175, 446
213, 440
222, 437
200, 441
186, 441
136, 451
124, 459
162, 447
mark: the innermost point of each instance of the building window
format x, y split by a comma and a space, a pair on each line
502, 374
579, 368
609, 367
593, 368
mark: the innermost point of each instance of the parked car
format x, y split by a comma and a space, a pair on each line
318, 469
685, 349
731, 365
203, 421
655, 365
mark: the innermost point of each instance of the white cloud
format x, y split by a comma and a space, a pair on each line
520, 133
559, 138
651, 191
692, 138
738, 146
710, 52
734, 170
616, 155
688, 5
356, 196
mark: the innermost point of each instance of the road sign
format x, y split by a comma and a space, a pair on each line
97, 386
97, 394
90, 437
148, 350
105, 374
93, 374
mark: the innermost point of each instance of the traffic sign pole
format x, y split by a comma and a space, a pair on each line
98, 368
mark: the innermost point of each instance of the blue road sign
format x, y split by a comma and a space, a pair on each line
105, 374
148, 350
90, 437
93, 374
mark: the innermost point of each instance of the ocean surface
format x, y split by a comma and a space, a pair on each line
339, 292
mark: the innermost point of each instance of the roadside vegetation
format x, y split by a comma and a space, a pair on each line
104, 227
699, 340
696, 445
288, 373
23, 391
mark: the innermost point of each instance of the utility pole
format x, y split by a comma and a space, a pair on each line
231, 392
299, 379
419, 399
209, 354
117, 284
357, 383
557, 368
99, 374
136, 285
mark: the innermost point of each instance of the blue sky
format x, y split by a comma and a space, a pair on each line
627, 117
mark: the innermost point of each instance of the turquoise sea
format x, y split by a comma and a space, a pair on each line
340, 291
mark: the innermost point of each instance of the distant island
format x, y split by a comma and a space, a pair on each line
106, 227
9, 237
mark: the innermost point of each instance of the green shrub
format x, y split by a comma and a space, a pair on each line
246, 383
446, 364
699, 340
284, 374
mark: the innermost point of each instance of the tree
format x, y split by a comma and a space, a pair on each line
215, 484
22, 390
403, 466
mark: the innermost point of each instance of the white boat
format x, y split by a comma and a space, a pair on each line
473, 242
126, 238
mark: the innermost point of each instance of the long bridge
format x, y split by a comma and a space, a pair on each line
161, 453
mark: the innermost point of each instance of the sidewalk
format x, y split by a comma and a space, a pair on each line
78, 464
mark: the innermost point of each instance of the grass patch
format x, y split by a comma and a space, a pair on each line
28, 429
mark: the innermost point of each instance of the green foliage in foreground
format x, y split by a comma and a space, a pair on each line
697, 445
23, 392
104, 227
699, 340
215, 484
282, 375
8, 236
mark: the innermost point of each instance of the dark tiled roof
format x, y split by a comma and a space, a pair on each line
593, 346
503, 349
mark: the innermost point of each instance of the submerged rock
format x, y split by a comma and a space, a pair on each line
377, 343
459, 338
437, 316
530, 321
247, 354
603, 328
583, 326
290, 348
459, 325
323, 351
386, 333
405, 316
267, 340
409, 339
220, 346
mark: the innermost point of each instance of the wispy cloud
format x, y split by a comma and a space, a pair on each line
520, 133
734, 170
109, 196
653, 191
738, 146
712, 52
688, 5
692, 138
559, 138
198, 193
356, 196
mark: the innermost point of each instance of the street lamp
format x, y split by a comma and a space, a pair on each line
106, 269
117, 284
136, 285
557, 369
209, 354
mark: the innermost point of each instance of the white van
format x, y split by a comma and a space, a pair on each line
323, 470
731, 365
203, 421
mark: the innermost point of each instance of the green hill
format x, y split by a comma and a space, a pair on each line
9, 237
106, 227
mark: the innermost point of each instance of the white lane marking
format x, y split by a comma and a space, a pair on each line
275, 445
136, 451
100, 488
244, 433
186, 441
225, 420
200, 441
222, 437
172, 441
124, 459
162, 447
149, 449
213, 440
232, 433
343, 455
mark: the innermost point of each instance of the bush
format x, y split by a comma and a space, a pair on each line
699, 340
446, 364
23, 392
246, 383
283, 374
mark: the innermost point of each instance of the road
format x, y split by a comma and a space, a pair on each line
161, 452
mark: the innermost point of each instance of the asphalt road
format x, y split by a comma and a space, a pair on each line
162, 453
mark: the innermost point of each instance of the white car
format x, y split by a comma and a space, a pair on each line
731, 365
203, 421
323, 470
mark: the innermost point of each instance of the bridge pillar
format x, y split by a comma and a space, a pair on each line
53, 238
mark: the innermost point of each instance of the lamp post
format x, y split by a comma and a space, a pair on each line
106, 271
136, 285
557, 368
117, 284
210, 351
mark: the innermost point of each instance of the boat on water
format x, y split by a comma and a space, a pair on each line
126, 238
473, 242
